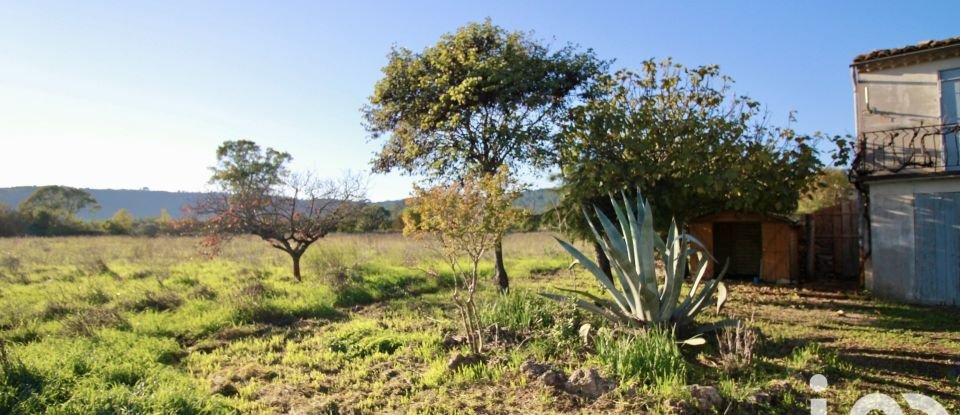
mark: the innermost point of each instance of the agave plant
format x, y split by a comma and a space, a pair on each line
632, 248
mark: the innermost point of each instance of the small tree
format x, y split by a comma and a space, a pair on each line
165, 223
466, 218
832, 187
121, 223
259, 196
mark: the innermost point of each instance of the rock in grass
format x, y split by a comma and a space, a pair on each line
553, 378
759, 398
221, 385
545, 374
453, 341
532, 369
588, 382
459, 360
708, 397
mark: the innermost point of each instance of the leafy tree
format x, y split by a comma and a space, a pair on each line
832, 187
466, 218
52, 210
60, 201
121, 223
689, 143
11, 223
479, 99
370, 218
259, 196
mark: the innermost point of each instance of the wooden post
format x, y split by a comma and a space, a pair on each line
811, 248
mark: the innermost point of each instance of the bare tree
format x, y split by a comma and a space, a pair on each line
259, 196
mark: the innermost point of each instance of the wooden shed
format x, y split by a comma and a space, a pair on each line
755, 244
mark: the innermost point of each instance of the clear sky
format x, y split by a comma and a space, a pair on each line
131, 94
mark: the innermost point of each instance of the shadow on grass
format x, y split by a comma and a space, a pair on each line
392, 287
275, 315
884, 315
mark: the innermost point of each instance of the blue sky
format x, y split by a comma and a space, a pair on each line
131, 94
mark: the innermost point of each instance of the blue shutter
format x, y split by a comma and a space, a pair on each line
938, 248
949, 114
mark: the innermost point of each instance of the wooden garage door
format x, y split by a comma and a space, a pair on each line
937, 224
741, 243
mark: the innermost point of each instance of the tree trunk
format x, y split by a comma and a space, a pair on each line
296, 266
603, 262
503, 282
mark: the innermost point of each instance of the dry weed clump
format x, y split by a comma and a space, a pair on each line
737, 345
87, 322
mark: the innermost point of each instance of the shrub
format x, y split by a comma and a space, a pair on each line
338, 268
736, 346
651, 358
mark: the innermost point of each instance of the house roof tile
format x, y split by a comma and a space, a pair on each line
925, 45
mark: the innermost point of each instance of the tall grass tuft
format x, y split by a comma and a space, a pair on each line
652, 358
517, 310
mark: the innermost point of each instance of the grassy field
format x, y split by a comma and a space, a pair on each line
129, 325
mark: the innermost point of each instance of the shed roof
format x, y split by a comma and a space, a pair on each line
734, 216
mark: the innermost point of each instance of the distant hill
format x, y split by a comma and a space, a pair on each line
140, 203
147, 203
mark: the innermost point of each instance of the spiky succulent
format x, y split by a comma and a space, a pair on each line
632, 249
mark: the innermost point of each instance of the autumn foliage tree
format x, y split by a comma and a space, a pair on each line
478, 100
258, 195
465, 218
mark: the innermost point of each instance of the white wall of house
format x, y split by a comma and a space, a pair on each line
891, 98
899, 97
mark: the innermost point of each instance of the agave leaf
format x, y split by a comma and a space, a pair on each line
670, 268
612, 317
618, 252
647, 236
624, 227
694, 341
700, 247
591, 296
679, 265
598, 274
632, 222
705, 294
646, 292
721, 295
701, 272
613, 235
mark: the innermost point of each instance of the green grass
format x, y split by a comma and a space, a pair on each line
650, 359
133, 325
